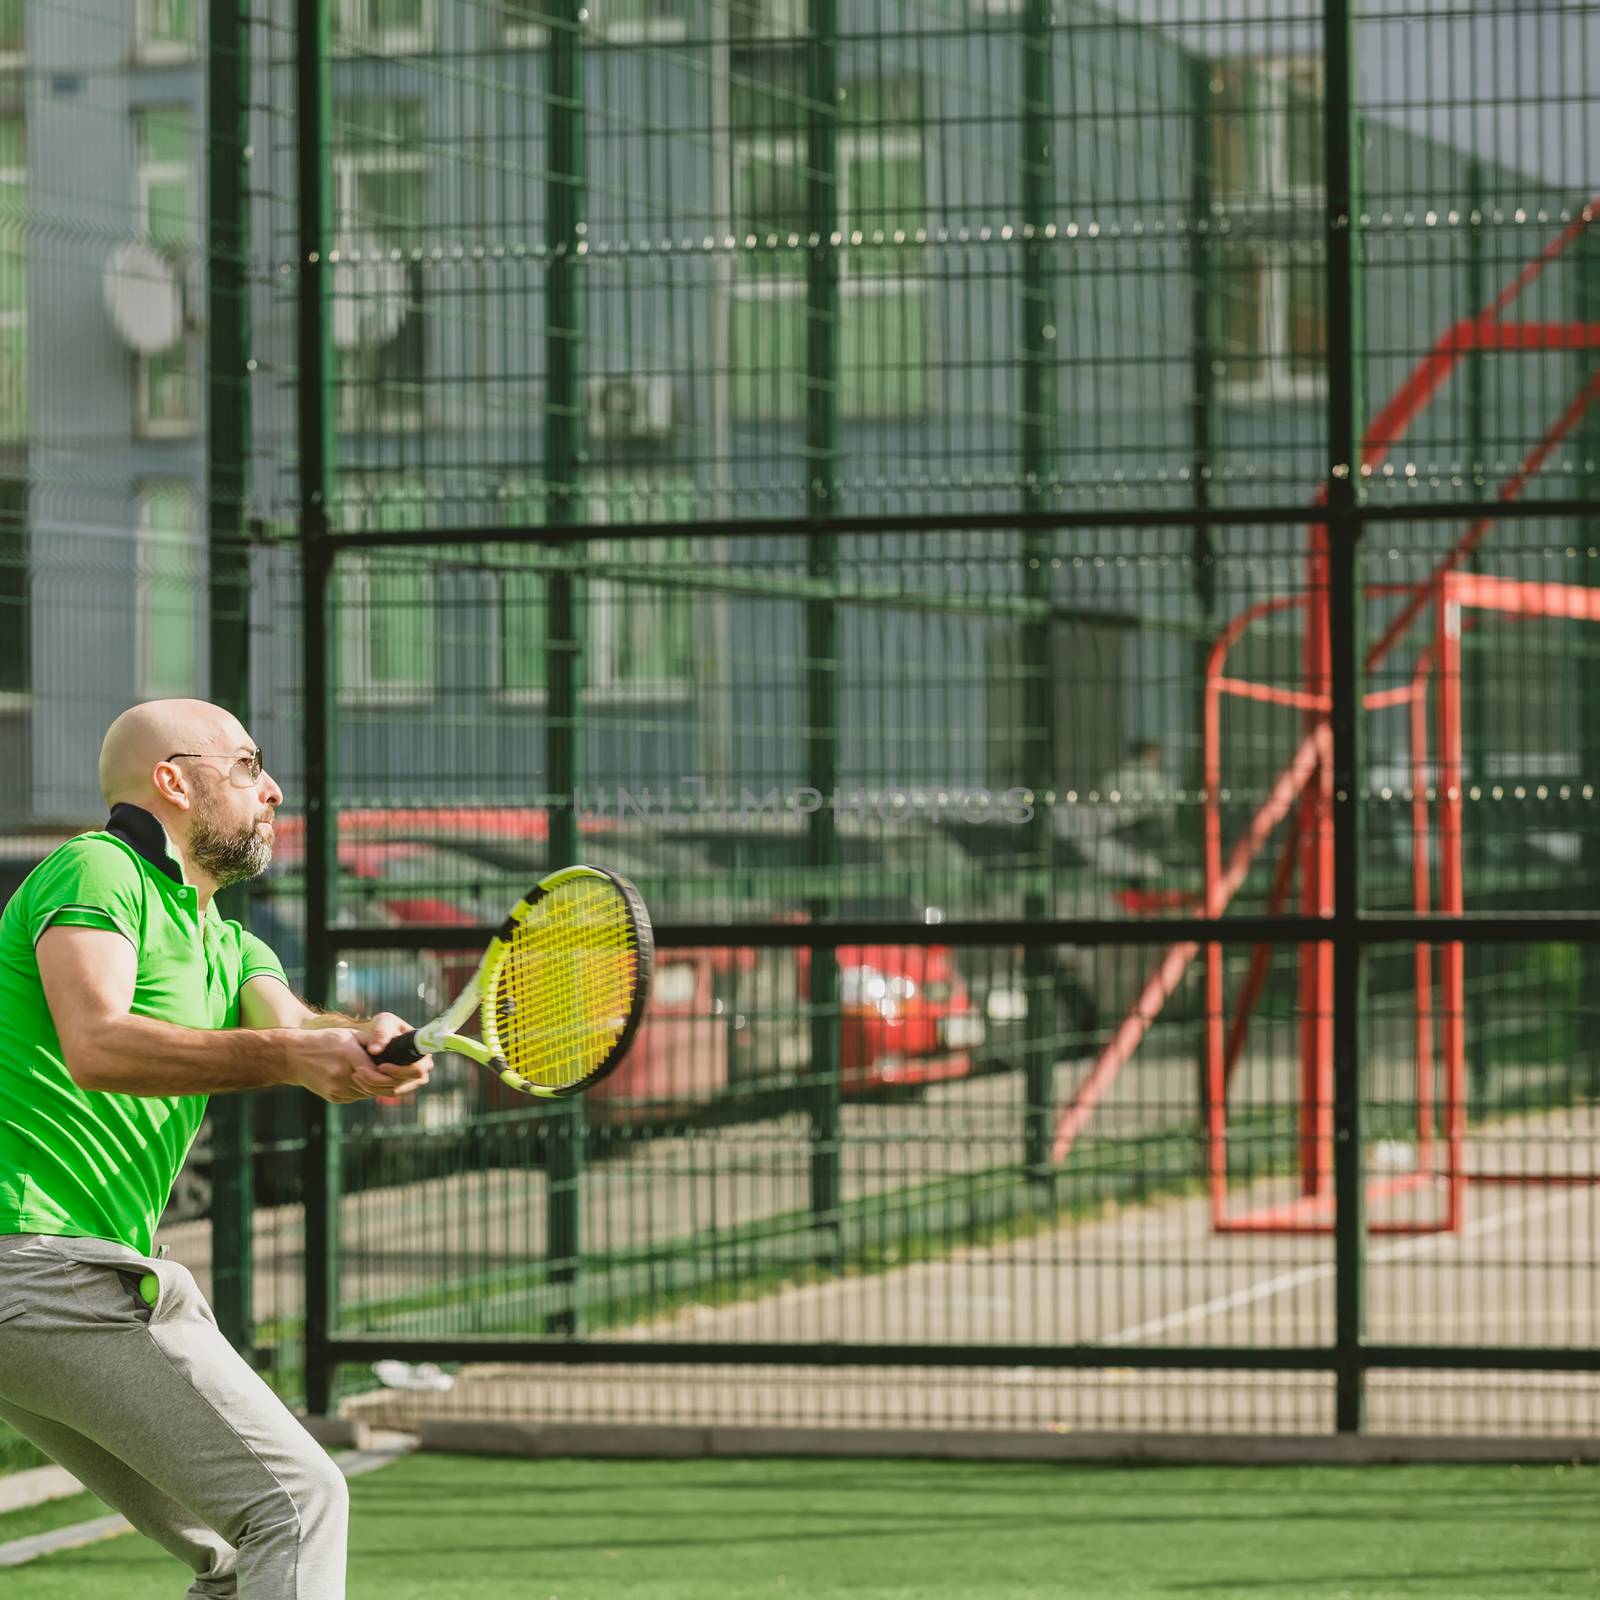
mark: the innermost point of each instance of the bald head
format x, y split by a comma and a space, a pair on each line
147, 734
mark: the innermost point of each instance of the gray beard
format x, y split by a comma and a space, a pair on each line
228, 858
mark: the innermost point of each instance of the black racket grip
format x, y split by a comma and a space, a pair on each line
401, 1051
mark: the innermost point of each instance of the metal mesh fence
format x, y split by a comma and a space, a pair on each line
1032, 468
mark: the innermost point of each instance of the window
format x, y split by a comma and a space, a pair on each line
166, 30
12, 37
522, 600
387, 629
383, 27
767, 19
171, 588
1267, 164
639, 21
16, 630
638, 639
526, 22
166, 393
1274, 332
882, 209
641, 637
13, 280
380, 173
1267, 138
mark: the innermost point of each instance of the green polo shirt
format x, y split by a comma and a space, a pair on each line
81, 1162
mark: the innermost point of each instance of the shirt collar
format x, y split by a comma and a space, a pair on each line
140, 831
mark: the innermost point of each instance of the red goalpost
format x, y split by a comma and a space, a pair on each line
1302, 794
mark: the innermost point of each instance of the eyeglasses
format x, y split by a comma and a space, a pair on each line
250, 765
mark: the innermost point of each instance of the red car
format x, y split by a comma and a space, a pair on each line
905, 1017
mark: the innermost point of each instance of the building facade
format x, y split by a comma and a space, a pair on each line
1178, 207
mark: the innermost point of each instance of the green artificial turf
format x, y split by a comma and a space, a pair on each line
458, 1528
47, 1516
18, 1454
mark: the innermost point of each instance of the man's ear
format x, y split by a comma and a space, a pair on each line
171, 785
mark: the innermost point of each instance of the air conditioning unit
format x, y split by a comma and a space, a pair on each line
622, 407
145, 296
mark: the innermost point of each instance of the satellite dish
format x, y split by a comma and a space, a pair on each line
370, 294
144, 297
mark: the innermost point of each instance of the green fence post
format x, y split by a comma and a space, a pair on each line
1344, 629
227, 521
1039, 342
1586, 308
1203, 343
565, 197
1203, 347
822, 646
314, 431
1474, 666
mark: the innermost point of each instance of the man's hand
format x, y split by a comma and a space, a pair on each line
390, 1081
333, 1064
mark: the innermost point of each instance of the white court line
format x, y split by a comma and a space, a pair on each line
21, 1551
19, 1490
1285, 1281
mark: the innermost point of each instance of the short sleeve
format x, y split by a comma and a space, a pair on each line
87, 883
258, 960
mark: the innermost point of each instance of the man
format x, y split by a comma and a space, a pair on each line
128, 1000
1138, 798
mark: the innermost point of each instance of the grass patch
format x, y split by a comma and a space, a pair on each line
461, 1528
18, 1454
47, 1517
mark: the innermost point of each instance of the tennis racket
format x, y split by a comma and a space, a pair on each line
560, 989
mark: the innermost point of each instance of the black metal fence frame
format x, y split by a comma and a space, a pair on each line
1343, 514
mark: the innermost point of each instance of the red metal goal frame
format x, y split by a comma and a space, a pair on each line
1440, 1121
1305, 787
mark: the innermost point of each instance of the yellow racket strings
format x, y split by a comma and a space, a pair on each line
563, 994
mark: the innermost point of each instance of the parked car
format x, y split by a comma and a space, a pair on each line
906, 1018
1091, 872
914, 1014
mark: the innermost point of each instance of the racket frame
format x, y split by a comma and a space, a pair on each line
441, 1034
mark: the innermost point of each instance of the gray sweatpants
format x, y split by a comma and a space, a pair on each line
152, 1409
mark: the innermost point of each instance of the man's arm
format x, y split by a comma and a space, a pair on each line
266, 1002
89, 976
